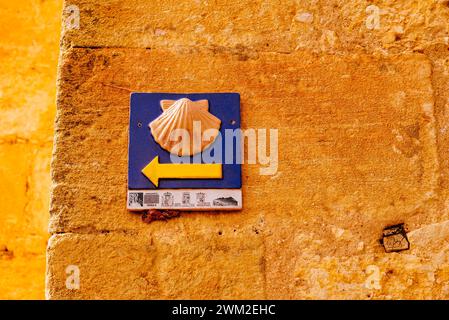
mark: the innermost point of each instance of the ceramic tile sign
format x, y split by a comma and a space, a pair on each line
184, 151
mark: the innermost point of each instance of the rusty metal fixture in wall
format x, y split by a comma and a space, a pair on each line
159, 215
394, 238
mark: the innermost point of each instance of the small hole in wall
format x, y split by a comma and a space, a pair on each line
5, 253
220, 233
139, 124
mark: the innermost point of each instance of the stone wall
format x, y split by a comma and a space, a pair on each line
29, 38
361, 108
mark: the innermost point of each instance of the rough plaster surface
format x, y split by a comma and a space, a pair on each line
29, 32
362, 124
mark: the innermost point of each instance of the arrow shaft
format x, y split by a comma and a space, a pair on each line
155, 171
190, 171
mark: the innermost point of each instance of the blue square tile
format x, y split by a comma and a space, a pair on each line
145, 107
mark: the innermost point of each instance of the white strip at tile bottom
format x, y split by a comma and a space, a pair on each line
185, 199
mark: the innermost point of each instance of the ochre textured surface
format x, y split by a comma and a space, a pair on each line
29, 38
362, 120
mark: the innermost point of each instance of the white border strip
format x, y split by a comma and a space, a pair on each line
185, 199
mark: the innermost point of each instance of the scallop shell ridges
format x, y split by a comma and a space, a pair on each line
182, 114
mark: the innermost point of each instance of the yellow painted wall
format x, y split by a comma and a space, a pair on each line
29, 38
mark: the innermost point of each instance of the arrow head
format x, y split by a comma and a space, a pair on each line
151, 171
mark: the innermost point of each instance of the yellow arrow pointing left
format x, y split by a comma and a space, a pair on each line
155, 171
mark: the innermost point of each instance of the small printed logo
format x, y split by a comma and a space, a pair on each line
200, 198
223, 202
186, 199
72, 281
151, 199
372, 21
135, 199
72, 20
373, 279
167, 199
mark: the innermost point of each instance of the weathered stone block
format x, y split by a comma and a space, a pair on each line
357, 130
248, 27
181, 262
